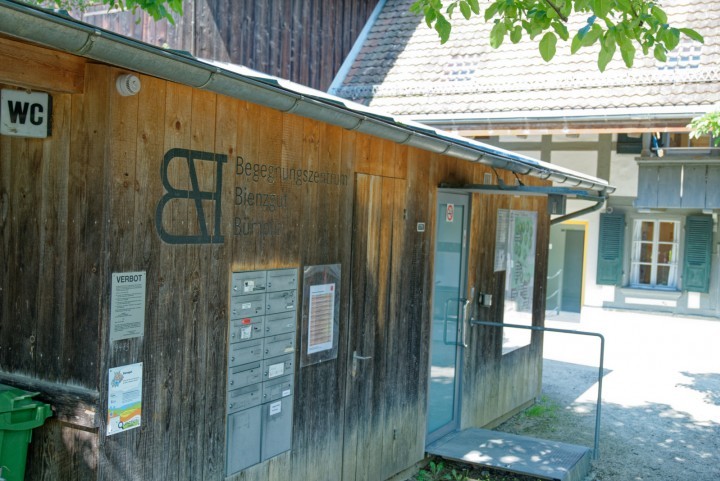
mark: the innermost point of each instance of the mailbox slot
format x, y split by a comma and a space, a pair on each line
281, 301
243, 440
246, 329
279, 345
277, 388
245, 352
280, 323
244, 283
282, 280
243, 398
245, 375
276, 427
247, 306
278, 366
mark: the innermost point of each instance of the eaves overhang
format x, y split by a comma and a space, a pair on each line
568, 121
60, 32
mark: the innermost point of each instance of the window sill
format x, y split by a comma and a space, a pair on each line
651, 293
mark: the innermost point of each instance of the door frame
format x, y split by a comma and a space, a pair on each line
445, 196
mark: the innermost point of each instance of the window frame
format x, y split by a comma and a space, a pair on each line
636, 249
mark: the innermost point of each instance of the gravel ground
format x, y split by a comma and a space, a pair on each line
661, 395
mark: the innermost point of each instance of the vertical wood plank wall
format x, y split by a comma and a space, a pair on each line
82, 204
272, 36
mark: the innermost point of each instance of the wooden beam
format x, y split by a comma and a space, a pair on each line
74, 405
30, 66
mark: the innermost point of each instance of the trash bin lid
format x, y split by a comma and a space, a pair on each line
13, 399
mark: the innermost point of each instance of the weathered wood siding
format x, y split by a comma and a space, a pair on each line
305, 41
83, 204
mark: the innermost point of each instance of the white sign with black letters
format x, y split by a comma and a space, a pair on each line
127, 305
25, 114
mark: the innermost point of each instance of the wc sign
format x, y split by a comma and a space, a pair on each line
25, 114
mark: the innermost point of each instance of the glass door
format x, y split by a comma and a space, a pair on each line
448, 308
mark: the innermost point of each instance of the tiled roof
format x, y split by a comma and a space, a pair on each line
402, 68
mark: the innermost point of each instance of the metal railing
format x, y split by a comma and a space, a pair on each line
596, 446
556, 292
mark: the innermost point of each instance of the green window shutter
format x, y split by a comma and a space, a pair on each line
698, 253
610, 249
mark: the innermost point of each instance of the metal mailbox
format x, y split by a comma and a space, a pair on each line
279, 345
247, 306
281, 301
247, 328
243, 398
245, 375
282, 280
244, 283
261, 363
277, 388
276, 427
241, 427
278, 366
245, 352
280, 323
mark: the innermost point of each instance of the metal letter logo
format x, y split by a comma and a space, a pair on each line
196, 195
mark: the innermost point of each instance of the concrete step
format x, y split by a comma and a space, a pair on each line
541, 458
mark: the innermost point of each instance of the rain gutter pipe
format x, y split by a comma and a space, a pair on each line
61, 32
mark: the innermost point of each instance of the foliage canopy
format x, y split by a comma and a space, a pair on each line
624, 25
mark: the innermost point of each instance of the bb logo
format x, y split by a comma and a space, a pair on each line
194, 195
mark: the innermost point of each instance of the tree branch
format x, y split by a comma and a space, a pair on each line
557, 10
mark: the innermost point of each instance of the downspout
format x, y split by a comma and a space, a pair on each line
580, 212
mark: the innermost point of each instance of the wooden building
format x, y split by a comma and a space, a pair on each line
301, 40
148, 200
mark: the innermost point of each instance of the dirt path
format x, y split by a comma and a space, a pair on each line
661, 395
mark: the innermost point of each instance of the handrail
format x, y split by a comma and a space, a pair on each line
555, 293
596, 447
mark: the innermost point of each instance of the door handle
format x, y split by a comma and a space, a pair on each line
461, 316
463, 322
357, 357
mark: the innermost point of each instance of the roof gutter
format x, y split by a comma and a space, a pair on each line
63, 33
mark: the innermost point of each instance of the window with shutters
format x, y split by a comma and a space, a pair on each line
655, 253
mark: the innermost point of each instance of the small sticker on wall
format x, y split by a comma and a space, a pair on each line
450, 213
275, 408
287, 392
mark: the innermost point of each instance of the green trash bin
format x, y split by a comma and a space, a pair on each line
19, 414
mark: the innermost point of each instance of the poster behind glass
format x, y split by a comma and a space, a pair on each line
518, 243
320, 313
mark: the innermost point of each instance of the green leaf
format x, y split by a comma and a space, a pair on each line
547, 46
624, 5
516, 34
491, 11
442, 27
430, 17
672, 38
607, 50
602, 7
692, 34
592, 36
497, 34
561, 30
475, 6
658, 13
465, 9
659, 53
628, 54
450, 9
575, 44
